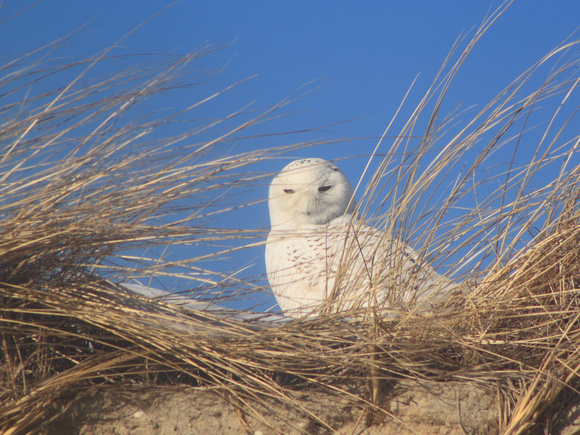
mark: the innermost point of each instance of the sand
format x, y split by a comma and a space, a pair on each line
433, 408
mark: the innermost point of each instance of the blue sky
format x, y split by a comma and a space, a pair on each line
355, 59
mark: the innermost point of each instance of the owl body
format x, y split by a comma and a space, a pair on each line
301, 268
320, 258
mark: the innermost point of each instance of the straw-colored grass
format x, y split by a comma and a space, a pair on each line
79, 188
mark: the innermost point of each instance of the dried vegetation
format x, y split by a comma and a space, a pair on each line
83, 183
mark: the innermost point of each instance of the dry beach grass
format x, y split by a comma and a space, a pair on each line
82, 185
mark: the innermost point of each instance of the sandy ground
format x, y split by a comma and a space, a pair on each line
434, 408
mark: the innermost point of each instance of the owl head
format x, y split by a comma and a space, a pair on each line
309, 192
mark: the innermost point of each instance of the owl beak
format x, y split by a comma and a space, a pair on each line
310, 205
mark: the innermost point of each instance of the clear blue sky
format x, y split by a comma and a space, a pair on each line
364, 55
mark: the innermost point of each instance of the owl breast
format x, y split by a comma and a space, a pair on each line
301, 269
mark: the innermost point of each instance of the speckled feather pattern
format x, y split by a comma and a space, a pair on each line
319, 257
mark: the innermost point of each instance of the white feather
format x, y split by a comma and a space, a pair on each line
318, 256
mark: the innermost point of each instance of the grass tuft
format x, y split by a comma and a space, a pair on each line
84, 182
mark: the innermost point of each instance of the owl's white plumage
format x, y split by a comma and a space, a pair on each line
319, 258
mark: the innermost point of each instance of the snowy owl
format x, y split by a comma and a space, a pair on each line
320, 258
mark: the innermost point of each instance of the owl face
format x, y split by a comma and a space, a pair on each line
309, 192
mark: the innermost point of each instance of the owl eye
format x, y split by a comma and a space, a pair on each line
324, 188
290, 191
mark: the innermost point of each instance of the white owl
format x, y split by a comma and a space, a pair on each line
320, 259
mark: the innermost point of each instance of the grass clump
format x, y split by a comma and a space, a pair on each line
81, 187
